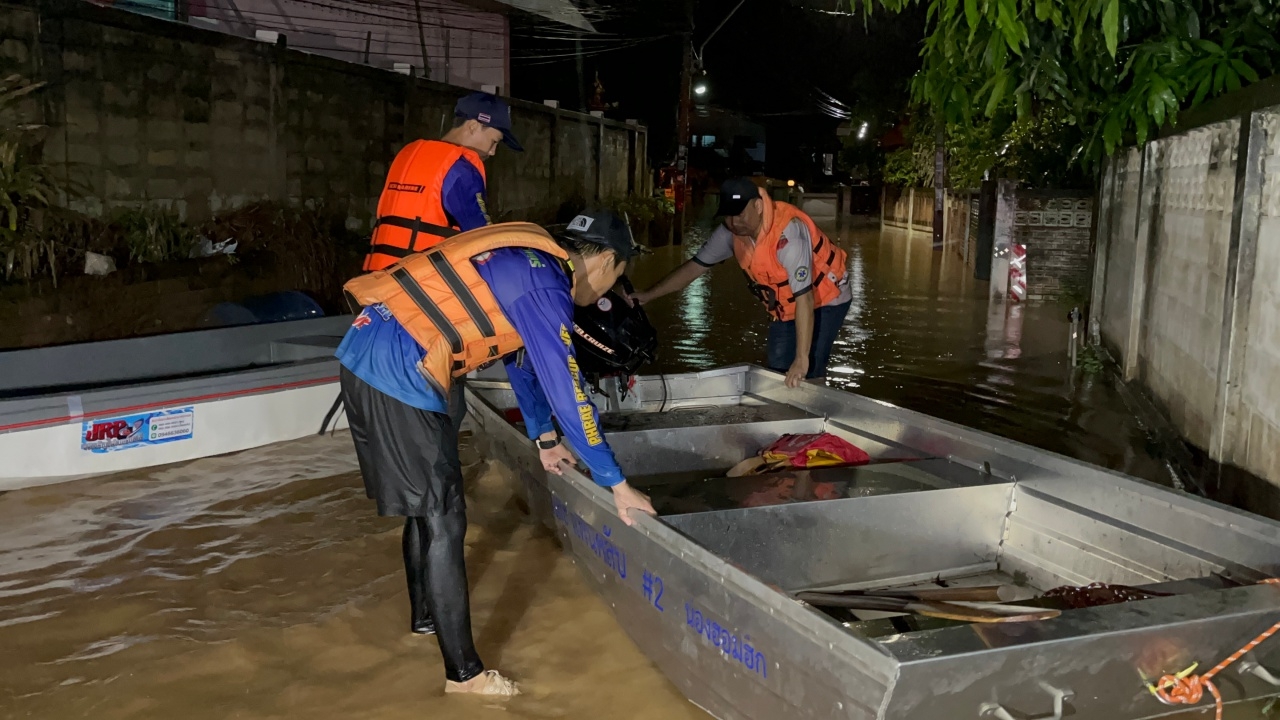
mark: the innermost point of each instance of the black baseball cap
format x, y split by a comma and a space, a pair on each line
490, 111
735, 193
604, 227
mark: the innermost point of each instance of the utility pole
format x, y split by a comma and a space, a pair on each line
682, 137
691, 63
422, 40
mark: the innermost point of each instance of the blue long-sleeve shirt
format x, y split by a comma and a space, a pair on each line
533, 292
463, 196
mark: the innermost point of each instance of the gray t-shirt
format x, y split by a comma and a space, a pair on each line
795, 254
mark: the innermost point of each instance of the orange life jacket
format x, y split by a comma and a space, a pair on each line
411, 216
768, 279
443, 303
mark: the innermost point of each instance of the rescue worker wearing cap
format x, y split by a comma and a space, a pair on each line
435, 316
437, 188
799, 275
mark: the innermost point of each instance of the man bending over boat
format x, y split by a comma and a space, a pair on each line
435, 316
799, 275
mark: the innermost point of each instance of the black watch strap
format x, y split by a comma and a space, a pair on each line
547, 444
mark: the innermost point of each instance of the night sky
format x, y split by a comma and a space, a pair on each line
789, 65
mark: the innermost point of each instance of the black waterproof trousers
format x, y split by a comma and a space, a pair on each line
409, 460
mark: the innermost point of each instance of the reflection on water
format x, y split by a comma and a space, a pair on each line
921, 333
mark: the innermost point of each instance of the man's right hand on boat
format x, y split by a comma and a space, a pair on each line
553, 458
628, 498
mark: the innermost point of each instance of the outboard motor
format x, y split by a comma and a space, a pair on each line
612, 338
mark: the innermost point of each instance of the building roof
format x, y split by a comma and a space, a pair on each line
561, 11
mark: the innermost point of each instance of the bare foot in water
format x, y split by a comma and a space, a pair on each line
489, 682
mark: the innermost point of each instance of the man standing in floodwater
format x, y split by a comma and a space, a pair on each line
799, 275
436, 189
432, 318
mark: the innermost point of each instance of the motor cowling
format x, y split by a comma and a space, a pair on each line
612, 337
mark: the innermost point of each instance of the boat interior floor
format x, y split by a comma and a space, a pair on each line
909, 519
874, 624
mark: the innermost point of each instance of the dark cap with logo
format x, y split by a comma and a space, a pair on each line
489, 111
604, 228
735, 193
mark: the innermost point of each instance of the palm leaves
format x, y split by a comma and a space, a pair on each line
27, 187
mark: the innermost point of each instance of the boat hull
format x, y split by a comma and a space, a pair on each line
84, 410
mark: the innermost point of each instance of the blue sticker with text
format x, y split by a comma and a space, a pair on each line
131, 431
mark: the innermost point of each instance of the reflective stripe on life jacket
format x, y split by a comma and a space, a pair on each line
411, 215
768, 279
444, 304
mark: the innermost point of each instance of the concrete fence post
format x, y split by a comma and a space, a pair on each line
1242, 252
1148, 206
968, 211
941, 217
1102, 245
1002, 238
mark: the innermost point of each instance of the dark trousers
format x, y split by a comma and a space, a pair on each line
827, 322
409, 460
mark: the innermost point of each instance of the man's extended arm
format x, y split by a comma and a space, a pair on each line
544, 318
717, 249
804, 340
795, 254
675, 281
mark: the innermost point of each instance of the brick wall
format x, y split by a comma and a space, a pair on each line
1056, 226
147, 111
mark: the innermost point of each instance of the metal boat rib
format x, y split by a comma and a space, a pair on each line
705, 590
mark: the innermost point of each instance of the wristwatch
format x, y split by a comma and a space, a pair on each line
547, 444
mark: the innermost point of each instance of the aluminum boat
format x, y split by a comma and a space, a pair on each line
707, 589
87, 409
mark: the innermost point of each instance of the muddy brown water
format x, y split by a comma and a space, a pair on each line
263, 586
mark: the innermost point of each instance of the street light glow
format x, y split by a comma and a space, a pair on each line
700, 89
862, 132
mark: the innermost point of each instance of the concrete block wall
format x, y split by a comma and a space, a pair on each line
145, 111
1194, 182
1254, 437
1056, 227
1119, 249
1189, 262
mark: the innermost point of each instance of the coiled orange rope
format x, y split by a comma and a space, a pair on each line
1187, 689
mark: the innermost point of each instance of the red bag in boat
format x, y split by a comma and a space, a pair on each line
814, 450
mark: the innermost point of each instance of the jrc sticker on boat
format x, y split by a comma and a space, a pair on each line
130, 431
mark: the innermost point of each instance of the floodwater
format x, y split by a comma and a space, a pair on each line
263, 585
922, 334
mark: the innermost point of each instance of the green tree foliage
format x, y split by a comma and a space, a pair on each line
1034, 149
1118, 70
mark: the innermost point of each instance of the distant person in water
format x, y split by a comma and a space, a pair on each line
799, 275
